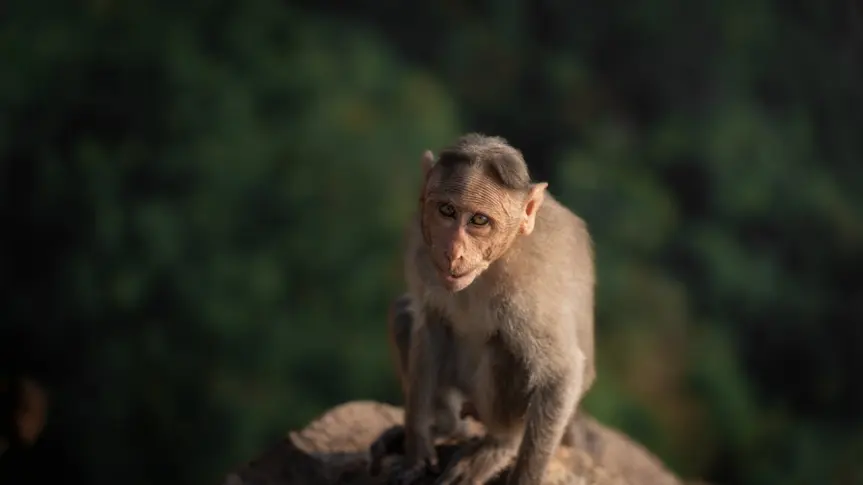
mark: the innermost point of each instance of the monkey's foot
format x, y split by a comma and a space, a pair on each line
476, 462
411, 474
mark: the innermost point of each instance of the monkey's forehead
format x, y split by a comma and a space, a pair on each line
473, 191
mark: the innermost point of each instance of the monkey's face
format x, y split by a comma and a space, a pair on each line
468, 222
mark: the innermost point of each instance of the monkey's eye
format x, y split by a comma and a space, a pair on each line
446, 210
479, 220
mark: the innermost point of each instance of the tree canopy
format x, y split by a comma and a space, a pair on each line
204, 204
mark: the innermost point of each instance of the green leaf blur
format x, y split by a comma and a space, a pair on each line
204, 204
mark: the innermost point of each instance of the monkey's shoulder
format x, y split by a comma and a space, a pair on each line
557, 224
559, 252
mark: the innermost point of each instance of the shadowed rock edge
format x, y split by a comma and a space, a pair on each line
333, 449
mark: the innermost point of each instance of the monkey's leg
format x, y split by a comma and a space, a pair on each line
579, 434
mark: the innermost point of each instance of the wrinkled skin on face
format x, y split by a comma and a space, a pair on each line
469, 221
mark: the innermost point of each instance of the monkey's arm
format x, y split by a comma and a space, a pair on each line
399, 328
419, 405
549, 411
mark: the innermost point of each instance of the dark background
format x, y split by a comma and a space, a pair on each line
202, 206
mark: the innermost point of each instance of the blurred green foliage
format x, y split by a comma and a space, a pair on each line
203, 205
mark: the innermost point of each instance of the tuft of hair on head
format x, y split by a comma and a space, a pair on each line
491, 154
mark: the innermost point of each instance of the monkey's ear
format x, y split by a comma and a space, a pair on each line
534, 200
427, 162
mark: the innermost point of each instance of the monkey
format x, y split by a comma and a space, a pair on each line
495, 260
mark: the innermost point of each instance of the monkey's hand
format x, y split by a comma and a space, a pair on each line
409, 474
477, 462
420, 459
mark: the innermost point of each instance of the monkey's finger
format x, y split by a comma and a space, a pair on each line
408, 475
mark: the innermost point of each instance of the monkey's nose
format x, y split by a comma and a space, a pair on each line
453, 256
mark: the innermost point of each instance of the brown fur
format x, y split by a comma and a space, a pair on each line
449, 407
508, 270
399, 325
399, 322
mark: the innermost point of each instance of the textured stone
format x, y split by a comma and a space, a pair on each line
333, 449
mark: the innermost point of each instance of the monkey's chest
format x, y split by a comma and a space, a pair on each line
472, 318
496, 381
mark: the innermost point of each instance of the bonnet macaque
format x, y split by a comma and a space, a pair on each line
498, 316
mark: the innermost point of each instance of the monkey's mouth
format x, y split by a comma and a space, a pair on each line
458, 281
453, 279
455, 276
451, 275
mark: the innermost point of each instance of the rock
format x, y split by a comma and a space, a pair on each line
333, 449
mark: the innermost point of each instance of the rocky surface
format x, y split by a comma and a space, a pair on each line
333, 449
